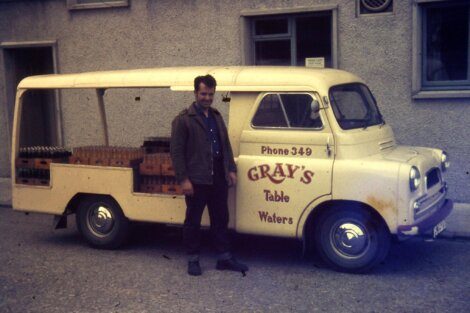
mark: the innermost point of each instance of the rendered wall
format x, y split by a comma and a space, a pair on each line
176, 33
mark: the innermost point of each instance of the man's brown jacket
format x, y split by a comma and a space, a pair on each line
190, 148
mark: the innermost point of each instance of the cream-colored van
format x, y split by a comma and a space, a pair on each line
316, 161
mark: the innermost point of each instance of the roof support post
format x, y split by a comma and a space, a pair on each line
16, 131
100, 94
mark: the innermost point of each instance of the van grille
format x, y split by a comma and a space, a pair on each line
433, 177
386, 144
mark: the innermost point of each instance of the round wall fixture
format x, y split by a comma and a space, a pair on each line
376, 5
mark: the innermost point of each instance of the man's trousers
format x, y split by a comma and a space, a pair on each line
215, 197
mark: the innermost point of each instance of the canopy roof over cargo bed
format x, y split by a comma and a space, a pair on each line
233, 78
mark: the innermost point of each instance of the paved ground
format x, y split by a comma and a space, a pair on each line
55, 271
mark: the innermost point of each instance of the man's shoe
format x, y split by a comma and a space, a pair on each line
194, 268
231, 265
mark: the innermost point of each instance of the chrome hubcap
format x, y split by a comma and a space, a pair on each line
100, 220
350, 239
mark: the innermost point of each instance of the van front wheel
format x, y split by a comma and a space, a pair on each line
101, 221
351, 239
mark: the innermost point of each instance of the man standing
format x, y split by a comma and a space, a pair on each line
203, 161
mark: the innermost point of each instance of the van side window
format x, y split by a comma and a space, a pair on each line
270, 113
287, 111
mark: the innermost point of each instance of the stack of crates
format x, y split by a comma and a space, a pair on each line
156, 171
33, 164
107, 156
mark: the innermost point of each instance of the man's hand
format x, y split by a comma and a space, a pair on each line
187, 187
232, 176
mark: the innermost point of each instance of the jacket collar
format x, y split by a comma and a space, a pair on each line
193, 110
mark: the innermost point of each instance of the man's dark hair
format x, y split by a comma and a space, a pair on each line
207, 80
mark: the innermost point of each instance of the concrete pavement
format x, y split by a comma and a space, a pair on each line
55, 271
458, 222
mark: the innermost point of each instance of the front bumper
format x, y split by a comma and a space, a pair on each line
426, 224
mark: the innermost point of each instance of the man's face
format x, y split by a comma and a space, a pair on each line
204, 96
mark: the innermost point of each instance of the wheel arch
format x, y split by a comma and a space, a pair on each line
73, 203
313, 217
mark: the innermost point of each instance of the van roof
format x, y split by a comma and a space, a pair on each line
231, 78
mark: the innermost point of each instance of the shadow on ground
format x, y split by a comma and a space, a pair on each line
418, 254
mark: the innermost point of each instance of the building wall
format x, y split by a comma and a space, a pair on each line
153, 33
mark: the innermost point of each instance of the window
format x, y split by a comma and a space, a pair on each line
290, 39
288, 111
354, 106
445, 43
95, 4
442, 55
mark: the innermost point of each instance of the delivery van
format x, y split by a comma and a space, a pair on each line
316, 161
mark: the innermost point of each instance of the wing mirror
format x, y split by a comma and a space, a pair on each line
314, 109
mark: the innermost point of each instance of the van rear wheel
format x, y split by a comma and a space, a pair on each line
101, 221
351, 239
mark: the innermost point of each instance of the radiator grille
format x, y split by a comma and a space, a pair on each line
433, 177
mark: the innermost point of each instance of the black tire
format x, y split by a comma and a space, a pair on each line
101, 222
351, 239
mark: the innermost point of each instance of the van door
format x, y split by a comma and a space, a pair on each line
285, 162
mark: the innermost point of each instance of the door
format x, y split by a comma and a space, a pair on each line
285, 162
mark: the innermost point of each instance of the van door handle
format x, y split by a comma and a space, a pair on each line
328, 149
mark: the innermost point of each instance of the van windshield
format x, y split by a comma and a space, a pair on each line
354, 106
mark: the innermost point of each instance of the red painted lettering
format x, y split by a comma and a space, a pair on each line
291, 168
252, 174
275, 219
307, 178
263, 215
264, 169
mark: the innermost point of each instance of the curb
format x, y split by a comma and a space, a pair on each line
5, 191
458, 222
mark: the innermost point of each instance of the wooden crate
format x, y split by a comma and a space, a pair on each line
150, 169
99, 161
78, 160
167, 169
43, 164
172, 189
24, 163
25, 181
150, 188
37, 163
32, 181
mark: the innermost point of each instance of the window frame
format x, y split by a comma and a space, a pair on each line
421, 89
291, 34
246, 20
100, 4
288, 128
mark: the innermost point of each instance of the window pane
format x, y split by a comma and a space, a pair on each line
354, 106
299, 111
276, 52
271, 27
314, 38
270, 113
446, 43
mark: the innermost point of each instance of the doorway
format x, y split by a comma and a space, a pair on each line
39, 125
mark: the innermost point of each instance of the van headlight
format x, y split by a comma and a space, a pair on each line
415, 178
444, 161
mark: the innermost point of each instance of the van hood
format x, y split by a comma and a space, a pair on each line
401, 154
407, 153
